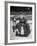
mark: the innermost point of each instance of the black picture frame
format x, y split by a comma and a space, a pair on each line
6, 22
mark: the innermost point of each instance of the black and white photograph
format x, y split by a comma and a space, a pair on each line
21, 22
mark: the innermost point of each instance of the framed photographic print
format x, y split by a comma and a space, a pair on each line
20, 22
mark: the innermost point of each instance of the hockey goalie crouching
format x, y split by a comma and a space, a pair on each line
22, 27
